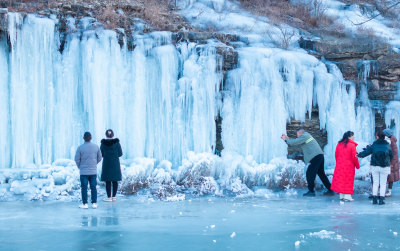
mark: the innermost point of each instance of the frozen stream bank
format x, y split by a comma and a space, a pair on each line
279, 222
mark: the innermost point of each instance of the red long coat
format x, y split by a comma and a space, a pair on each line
346, 160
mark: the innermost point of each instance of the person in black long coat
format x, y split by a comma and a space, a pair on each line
111, 169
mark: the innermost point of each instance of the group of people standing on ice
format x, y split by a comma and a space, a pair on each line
384, 164
88, 155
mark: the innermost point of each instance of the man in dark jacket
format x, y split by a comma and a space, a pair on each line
87, 157
314, 155
380, 165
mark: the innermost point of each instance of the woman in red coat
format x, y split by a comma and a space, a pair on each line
346, 162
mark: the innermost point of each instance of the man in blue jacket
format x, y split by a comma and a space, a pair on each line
87, 157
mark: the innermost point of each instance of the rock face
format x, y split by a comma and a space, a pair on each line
362, 48
228, 53
311, 126
362, 60
3, 19
383, 80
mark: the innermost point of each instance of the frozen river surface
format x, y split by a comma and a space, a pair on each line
274, 222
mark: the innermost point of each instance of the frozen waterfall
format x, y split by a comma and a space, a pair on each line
271, 86
159, 98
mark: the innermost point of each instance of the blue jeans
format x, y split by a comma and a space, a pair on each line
92, 179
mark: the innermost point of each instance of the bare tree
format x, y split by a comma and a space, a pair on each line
283, 38
318, 8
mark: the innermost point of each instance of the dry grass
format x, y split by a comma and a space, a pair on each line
367, 31
159, 14
303, 16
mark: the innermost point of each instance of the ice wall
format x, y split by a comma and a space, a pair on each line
344, 112
392, 117
159, 99
269, 87
272, 86
5, 152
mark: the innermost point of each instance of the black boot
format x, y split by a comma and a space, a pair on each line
309, 194
381, 202
329, 193
374, 200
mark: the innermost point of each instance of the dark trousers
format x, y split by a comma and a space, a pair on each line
317, 167
92, 179
114, 188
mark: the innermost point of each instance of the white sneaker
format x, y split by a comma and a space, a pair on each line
389, 193
347, 197
341, 196
107, 200
94, 205
84, 206
114, 199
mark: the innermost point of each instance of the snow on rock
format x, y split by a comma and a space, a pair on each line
229, 17
352, 16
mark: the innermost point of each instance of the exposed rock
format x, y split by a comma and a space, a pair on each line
311, 126
198, 36
229, 57
352, 48
226, 38
384, 78
3, 19
190, 36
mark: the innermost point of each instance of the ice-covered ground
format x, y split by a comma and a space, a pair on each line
277, 222
199, 175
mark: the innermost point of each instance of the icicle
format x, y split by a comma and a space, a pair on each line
5, 143
392, 117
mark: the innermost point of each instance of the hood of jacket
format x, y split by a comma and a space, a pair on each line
381, 142
109, 142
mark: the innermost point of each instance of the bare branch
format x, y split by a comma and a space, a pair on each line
377, 15
283, 39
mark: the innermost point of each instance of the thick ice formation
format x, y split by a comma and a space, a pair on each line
199, 174
159, 99
271, 86
392, 117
